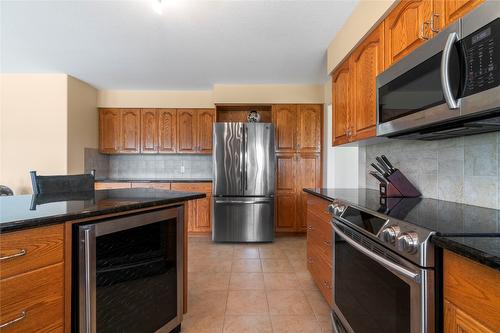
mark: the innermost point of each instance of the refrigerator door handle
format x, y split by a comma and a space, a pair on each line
246, 156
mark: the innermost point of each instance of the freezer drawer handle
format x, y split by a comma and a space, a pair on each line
241, 202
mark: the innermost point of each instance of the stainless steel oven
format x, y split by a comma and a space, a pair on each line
450, 86
128, 273
383, 274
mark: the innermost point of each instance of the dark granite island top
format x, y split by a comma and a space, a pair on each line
28, 211
471, 231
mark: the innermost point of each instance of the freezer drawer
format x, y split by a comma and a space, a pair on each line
243, 219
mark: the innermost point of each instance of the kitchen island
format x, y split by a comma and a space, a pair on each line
38, 255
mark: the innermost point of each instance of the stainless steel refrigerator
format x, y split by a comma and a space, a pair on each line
244, 177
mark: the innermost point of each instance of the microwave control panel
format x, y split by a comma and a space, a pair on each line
482, 58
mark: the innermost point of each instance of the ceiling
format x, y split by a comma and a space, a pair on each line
193, 45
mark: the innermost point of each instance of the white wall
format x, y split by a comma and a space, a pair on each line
341, 163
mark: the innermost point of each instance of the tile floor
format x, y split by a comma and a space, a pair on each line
246, 288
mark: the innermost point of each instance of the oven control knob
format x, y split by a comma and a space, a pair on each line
390, 234
408, 242
336, 208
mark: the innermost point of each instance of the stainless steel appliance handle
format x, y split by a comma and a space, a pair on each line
445, 75
381, 260
245, 161
242, 160
87, 277
242, 202
87, 314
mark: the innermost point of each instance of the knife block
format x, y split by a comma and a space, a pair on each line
398, 186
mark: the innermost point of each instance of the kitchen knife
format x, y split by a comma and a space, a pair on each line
383, 165
378, 176
389, 164
379, 169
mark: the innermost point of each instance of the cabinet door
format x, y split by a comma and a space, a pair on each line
149, 131
205, 121
457, 321
341, 103
406, 28
109, 131
203, 214
308, 176
285, 178
167, 130
130, 128
285, 121
186, 130
309, 127
455, 9
285, 212
367, 62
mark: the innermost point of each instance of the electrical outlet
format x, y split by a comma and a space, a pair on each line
182, 169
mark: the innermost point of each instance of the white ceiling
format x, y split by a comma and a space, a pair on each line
193, 45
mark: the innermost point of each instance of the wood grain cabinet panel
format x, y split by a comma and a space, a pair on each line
367, 62
205, 120
109, 131
149, 131
455, 9
199, 211
167, 130
186, 130
285, 212
406, 28
130, 123
156, 186
341, 103
309, 127
39, 294
285, 122
308, 176
285, 181
472, 296
111, 186
30, 249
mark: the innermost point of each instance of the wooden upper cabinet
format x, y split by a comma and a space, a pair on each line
205, 120
167, 130
367, 62
341, 103
406, 28
149, 131
285, 121
109, 131
309, 127
131, 128
455, 9
186, 130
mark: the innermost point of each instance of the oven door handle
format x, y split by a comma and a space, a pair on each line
445, 75
381, 260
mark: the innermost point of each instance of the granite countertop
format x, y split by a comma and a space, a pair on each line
471, 231
154, 180
28, 211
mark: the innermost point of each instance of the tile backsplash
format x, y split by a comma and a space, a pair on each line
160, 166
465, 170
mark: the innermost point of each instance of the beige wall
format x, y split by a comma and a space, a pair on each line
364, 17
155, 98
33, 127
83, 128
268, 93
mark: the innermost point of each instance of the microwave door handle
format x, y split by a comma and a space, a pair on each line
445, 75
381, 260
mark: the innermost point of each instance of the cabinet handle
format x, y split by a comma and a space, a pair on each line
15, 255
15, 320
309, 227
309, 260
327, 243
422, 35
433, 17
327, 285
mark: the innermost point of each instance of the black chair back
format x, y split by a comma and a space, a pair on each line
62, 184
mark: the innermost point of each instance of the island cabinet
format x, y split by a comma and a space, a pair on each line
153, 131
320, 245
32, 280
471, 296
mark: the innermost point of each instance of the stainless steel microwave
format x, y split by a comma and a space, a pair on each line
448, 87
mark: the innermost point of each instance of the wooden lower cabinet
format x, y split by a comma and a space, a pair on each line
471, 296
32, 285
199, 212
320, 245
285, 212
111, 186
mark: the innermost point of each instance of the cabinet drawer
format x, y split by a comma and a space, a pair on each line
30, 249
321, 248
111, 186
158, 186
317, 226
318, 207
192, 187
38, 295
322, 275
